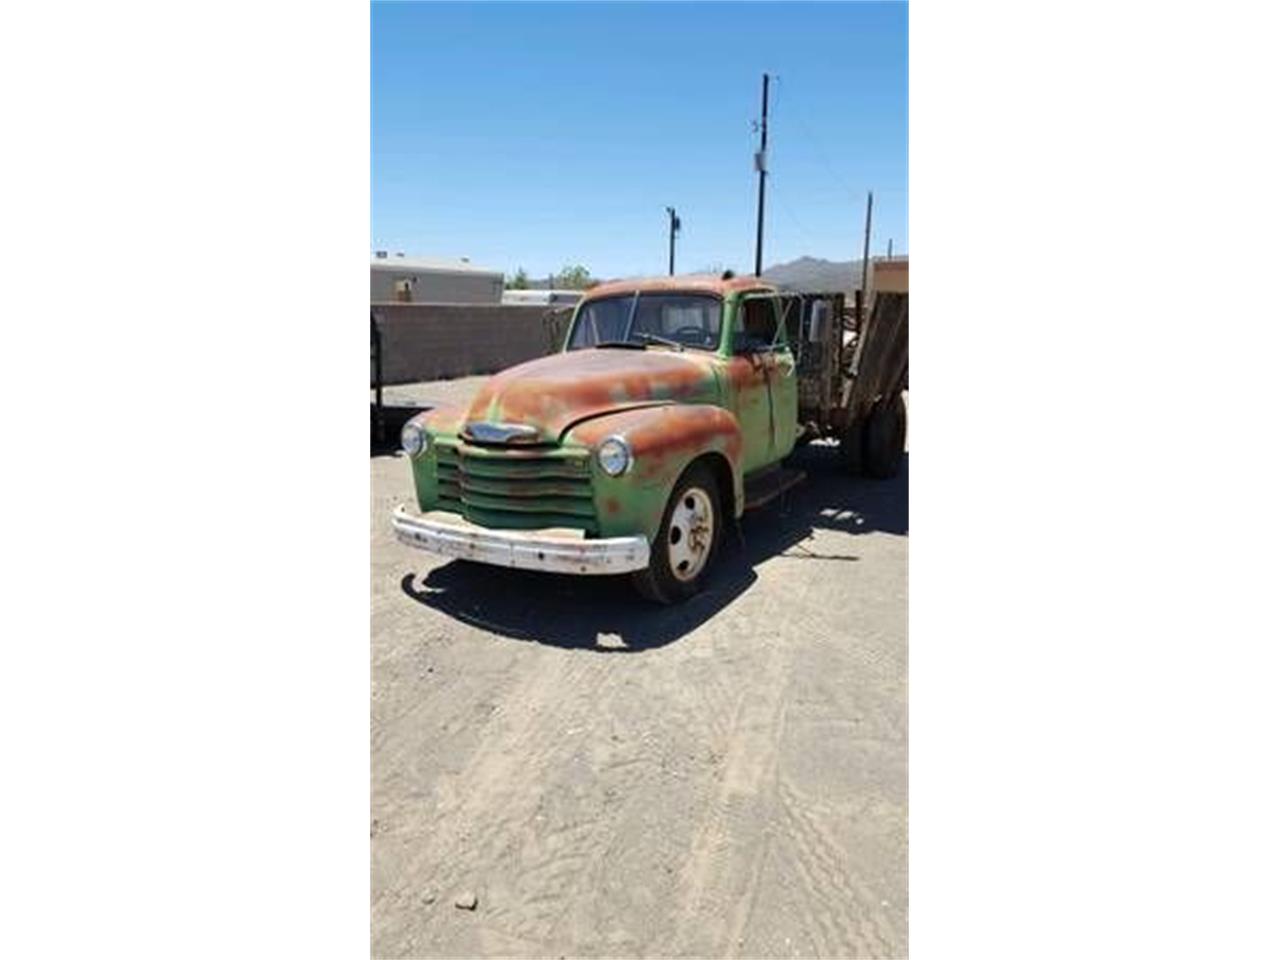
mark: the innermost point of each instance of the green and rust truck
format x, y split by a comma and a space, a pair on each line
669, 411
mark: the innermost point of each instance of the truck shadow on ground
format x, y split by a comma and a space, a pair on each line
605, 613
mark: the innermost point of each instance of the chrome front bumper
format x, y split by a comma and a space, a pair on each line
559, 551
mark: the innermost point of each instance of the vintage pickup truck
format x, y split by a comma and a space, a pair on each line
669, 411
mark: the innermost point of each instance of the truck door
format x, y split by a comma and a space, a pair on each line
763, 372
782, 385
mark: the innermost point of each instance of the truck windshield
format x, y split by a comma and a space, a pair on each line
673, 320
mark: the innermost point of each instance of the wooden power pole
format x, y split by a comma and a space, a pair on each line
673, 228
760, 166
866, 248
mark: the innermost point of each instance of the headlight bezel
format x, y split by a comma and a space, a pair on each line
421, 444
611, 444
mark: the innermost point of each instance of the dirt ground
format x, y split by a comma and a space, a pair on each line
609, 778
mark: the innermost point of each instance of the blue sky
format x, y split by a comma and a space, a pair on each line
540, 135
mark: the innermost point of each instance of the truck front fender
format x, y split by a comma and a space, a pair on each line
664, 440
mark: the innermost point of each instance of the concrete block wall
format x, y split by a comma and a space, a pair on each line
434, 341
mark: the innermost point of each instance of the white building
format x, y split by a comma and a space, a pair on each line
549, 298
395, 277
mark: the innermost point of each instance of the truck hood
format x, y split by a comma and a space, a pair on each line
553, 393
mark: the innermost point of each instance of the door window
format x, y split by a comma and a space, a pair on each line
756, 326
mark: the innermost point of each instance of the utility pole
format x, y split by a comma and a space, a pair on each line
672, 229
760, 165
866, 248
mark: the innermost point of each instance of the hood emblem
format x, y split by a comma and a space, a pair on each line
483, 432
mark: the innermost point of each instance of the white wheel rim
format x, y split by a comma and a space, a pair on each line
690, 533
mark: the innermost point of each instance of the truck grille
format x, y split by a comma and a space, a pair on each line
507, 488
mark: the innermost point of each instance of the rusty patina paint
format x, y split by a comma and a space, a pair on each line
689, 283
672, 407
447, 421
552, 393
664, 441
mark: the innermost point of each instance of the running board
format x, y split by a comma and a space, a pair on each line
762, 488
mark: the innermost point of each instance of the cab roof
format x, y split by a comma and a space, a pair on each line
689, 283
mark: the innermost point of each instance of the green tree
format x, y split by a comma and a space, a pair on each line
519, 282
576, 277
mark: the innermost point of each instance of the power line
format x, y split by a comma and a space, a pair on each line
817, 145
780, 199
779, 195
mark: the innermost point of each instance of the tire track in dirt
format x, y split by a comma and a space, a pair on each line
492, 798
716, 889
561, 871
524, 808
834, 900
597, 797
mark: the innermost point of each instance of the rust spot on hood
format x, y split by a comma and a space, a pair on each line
552, 393
447, 420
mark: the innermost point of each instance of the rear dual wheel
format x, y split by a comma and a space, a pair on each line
874, 445
851, 444
681, 554
885, 439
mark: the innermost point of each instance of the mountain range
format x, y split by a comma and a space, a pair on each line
813, 275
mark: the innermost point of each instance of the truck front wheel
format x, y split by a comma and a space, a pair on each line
681, 554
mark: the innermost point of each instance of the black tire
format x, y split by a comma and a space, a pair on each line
886, 435
851, 446
659, 582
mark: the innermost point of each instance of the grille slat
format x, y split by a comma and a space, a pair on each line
527, 489
524, 471
562, 505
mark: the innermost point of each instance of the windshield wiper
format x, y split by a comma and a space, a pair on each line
654, 338
621, 344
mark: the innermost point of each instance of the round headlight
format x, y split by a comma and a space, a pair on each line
415, 440
614, 456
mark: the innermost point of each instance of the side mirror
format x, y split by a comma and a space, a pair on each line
819, 317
